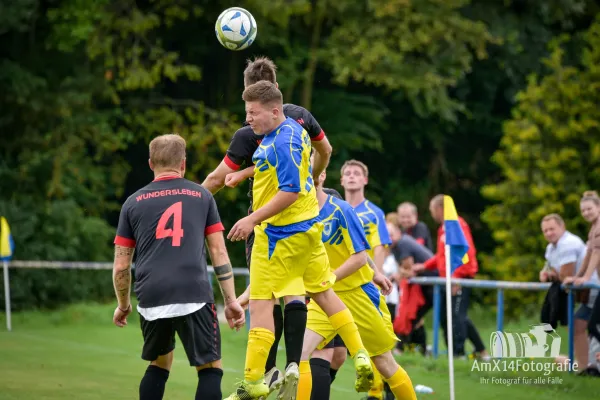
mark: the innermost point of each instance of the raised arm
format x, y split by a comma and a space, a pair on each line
216, 179
322, 156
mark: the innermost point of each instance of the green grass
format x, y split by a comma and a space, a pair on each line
76, 353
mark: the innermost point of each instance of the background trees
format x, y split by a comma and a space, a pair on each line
418, 90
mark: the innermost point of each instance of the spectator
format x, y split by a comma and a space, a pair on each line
590, 210
391, 271
564, 255
410, 224
462, 326
415, 300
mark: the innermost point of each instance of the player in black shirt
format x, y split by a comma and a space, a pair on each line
239, 154
167, 223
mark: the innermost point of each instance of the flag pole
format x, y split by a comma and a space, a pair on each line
449, 321
7, 296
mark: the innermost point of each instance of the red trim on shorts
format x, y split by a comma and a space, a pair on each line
319, 137
218, 227
166, 178
125, 242
229, 162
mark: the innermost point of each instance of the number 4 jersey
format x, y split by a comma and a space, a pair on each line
166, 222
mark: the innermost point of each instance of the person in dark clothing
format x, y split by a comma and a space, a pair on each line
167, 223
408, 219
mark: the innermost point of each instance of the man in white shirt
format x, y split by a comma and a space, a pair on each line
564, 254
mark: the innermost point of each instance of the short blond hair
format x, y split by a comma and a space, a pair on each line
355, 163
391, 217
260, 69
167, 151
263, 92
554, 217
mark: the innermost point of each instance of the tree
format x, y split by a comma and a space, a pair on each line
549, 155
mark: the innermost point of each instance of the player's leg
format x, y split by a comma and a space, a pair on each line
374, 323
319, 280
320, 367
159, 343
342, 321
339, 357
318, 333
395, 376
294, 326
273, 377
263, 281
201, 338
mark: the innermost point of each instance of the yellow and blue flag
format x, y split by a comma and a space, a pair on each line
455, 237
7, 246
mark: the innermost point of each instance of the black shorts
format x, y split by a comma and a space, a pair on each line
249, 244
199, 333
335, 342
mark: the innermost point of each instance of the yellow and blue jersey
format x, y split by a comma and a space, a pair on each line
343, 235
282, 162
373, 222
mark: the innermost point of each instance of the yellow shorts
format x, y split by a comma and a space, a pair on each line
370, 313
289, 261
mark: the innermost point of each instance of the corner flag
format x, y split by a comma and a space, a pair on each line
455, 237
7, 245
456, 249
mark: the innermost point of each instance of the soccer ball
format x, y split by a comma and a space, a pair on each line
236, 28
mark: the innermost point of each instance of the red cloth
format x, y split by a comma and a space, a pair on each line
411, 299
438, 261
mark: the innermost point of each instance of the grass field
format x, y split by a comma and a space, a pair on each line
76, 353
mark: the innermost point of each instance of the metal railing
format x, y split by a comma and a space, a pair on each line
436, 282
500, 287
88, 266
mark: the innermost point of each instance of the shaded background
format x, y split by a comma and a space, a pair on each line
493, 102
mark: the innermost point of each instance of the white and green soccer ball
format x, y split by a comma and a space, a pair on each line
236, 29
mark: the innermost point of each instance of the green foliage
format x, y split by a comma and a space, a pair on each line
422, 48
549, 156
416, 89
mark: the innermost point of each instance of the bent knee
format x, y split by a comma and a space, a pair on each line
325, 354
213, 364
385, 364
339, 357
165, 361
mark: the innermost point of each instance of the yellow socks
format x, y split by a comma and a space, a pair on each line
401, 385
260, 341
305, 382
344, 325
377, 388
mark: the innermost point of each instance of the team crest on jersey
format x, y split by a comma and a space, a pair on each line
327, 229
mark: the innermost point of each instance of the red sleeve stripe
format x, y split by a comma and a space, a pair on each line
230, 163
125, 242
320, 136
214, 228
421, 241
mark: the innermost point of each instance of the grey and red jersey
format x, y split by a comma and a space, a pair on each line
167, 222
